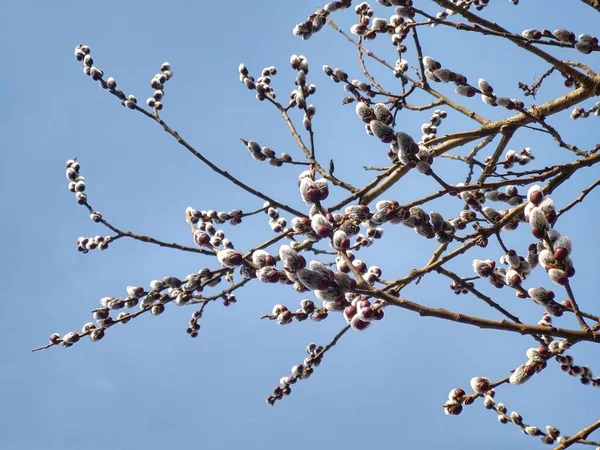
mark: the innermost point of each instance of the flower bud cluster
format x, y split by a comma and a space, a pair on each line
429, 129
430, 225
550, 436
234, 217
229, 299
315, 22
554, 250
85, 244
518, 270
465, 217
206, 235
512, 157
304, 90
583, 372
365, 13
456, 399
536, 362
66, 341
312, 191
298, 372
277, 223
368, 239
328, 286
361, 312
584, 43
511, 196
262, 85
501, 277
461, 288
83, 54
355, 87
311, 110
169, 289
369, 27
261, 154
76, 181
580, 112
308, 309
158, 84
435, 72
193, 328
359, 265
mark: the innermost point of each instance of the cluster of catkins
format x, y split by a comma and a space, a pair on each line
584, 43
435, 72
261, 154
299, 372
551, 252
158, 84
481, 387
83, 54
206, 235
299, 95
368, 26
583, 372
85, 244
355, 87
307, 309
335, 289
361, 312
234, 217
262, 85
580, 112
76, 181
474, 198
347, 225
168, 290
378, 122
512, 157
537, 358
315, 22
554, 249
429, 129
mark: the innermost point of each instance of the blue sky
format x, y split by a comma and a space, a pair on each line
147, 384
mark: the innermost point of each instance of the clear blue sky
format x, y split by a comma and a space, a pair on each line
147, 384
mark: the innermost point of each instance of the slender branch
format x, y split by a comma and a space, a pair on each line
309, 154
471, 17
467, 112
504, 325
478, 294
431, 105
148, 239
583, 434
506, 137
580, 198
220, 171
584, 326
593, 3
559, 104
